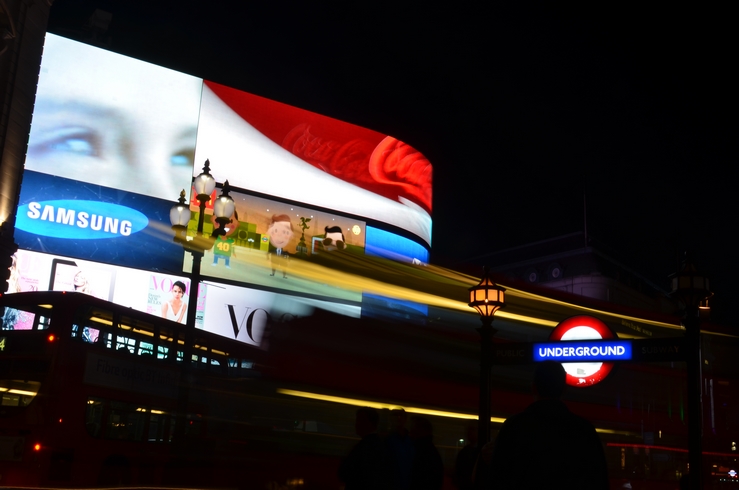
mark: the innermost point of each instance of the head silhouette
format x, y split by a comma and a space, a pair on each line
549, 379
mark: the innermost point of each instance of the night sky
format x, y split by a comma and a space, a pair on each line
526, 111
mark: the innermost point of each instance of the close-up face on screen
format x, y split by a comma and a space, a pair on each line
107, 119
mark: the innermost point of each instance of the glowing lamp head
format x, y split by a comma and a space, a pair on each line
51, 338
179, 214
224, 205
204, 183
37, 447
487, 297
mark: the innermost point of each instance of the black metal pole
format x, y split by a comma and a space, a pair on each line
190, 320
691, 322
486, 347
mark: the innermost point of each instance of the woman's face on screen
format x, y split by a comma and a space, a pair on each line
110, 120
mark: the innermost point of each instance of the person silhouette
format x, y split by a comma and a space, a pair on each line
466, 462
428, 467
366, 466
401, 450
546, 445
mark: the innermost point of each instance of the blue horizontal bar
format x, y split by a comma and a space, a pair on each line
595, 350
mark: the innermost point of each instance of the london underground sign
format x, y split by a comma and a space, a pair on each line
586, 347
605, 350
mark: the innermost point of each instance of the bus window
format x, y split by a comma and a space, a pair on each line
18, 393
125, 344
89, 323
14, 319
158, 426
145, 349
94, 416
125, 422
89, 335
162, 352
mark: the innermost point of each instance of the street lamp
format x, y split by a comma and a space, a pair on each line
487, 298
691, 288
180, 215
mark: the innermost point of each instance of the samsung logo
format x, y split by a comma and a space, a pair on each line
79, 219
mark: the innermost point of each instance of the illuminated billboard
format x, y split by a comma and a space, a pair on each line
107, 119
111, 120
231, 311
88, 221
114, 140
282, 151
272, 244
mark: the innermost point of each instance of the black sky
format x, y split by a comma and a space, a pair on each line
522, 109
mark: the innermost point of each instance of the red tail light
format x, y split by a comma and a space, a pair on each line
37, 447
51, 337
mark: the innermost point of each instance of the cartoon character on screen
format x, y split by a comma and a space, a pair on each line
334, 239
280, 233
225, 246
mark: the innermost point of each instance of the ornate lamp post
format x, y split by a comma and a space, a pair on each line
486, 298
179, 216
691, 288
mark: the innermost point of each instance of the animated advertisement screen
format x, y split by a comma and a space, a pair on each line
279, 150
280, 245
114, 140
110, 120
234, 312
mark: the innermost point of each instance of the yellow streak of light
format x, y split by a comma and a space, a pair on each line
380, 406
311, 271
423, 411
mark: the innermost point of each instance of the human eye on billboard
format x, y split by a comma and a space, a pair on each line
110, 120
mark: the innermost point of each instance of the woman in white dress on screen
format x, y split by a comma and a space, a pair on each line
175, 308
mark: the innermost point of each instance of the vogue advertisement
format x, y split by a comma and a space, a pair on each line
234, 312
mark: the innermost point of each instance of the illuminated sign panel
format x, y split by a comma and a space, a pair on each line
583, 351
287, 152
381, 243
583, 369
91, 222
273, 244
114, 140
235, 312
80, 219
107, 119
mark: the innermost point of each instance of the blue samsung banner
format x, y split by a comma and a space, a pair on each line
583, 351
91, 222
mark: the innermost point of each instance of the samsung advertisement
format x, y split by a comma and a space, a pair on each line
115, 140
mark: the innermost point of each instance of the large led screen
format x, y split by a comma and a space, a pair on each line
111, 120
88, 221
279, 150
114, 140
234, 312
107, 119
279, 245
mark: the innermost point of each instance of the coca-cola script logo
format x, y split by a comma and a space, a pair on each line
391, 168
398, 164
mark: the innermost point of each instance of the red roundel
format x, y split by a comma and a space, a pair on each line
583, 327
